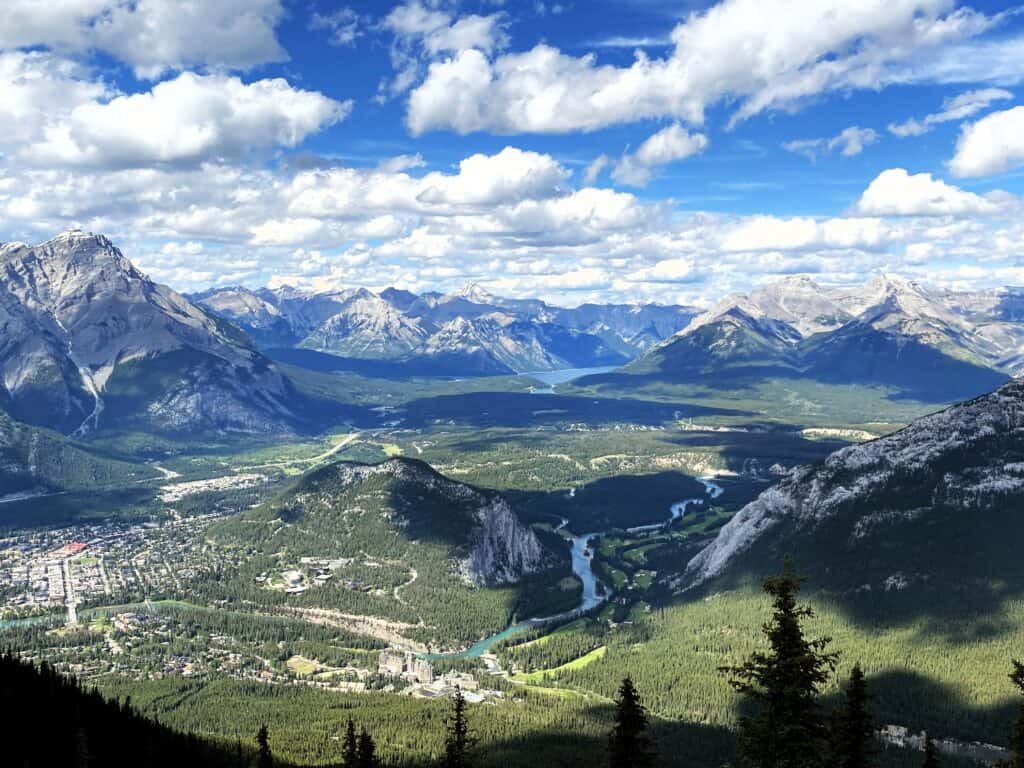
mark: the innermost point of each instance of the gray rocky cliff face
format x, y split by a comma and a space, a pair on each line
76, 316
503, 549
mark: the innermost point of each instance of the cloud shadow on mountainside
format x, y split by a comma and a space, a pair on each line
440, 367
677, 743
913, 372
920, 703
756, 451
613, 502
519, 409
950, 577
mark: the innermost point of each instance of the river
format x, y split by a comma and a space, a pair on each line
583, 568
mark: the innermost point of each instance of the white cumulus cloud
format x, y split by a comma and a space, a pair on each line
152, 36
991, 145
664, 147
895, 192
190, 119
34, 88
423, 33
758, 54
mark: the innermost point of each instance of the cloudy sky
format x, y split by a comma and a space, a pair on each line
626, 150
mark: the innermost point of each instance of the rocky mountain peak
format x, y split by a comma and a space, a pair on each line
799, 301
476, 293
81, 311
66, 269
896, 304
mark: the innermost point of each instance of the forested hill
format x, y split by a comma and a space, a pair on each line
50, 721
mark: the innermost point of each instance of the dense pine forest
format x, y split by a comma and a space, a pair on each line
786, 721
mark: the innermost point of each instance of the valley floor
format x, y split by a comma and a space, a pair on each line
141, 599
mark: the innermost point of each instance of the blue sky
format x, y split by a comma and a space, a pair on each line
610, 150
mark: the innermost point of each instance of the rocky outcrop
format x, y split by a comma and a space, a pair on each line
496, 548
503, 549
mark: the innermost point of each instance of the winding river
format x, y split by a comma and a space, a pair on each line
583, 568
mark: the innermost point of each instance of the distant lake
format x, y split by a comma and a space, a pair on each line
565, 375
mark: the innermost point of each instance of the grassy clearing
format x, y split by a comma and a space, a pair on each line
302, 666
543, 674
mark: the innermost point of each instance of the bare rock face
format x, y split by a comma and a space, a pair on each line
503, 549
87, 338
965, 461
366, 326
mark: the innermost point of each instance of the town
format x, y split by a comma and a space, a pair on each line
120, 598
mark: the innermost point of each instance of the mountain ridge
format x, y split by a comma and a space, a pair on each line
468, 332
87, 336
891, 332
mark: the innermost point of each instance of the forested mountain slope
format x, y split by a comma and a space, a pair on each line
934, 509
33, 459
399, 541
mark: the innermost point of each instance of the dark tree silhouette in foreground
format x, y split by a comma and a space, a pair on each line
350, 747
629, 746
367, 757
264, 758
458, 741
853, 730
1017, 737
787, 729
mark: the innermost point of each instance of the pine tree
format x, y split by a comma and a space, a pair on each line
265, 759
787, 730
853, 729
931, 754
82, 757
350, 747
629, 746
1017, 737
458, 741
367, 757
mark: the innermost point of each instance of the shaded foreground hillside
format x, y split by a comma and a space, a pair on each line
49, 721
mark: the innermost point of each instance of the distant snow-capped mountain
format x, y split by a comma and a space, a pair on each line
889, 332
469, 332
367, 327
519, 345
88, 340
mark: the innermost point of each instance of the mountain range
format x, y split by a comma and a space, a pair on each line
932, 345
470, 332
89, 341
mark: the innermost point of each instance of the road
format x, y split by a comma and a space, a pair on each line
70, 601
341, 445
